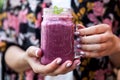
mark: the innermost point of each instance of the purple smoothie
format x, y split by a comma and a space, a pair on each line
57, 38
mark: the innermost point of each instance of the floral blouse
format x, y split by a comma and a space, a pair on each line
21, 27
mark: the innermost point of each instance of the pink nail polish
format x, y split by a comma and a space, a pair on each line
78, 46
59, 61
78, 39
68, 65
77, 33
78, 64
82, 53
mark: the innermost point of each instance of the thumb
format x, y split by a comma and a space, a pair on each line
34, 51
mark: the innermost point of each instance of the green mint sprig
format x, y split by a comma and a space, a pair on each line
1, 5
57, 10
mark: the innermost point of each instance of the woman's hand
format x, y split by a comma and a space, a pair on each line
98, 40
33, 56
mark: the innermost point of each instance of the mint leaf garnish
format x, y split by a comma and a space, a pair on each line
57, 10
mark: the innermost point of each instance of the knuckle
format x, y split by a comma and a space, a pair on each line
103, 37
82, 40
46, 71
103, 46
108, 27
29, 49
35, 71
100, 54
97, 29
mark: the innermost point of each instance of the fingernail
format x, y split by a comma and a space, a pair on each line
82, 52
36, 53
77, 55
68, 65
78, 64
59, 60
78, 39
76, 33
78, 46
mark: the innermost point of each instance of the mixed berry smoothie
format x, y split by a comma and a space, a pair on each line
57, 38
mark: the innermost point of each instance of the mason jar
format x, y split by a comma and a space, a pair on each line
57, 35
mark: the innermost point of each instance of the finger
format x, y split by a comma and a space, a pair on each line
74, 65
61, 69
34, 51
94, 54
97, 29
45, 69
99, 38
51, 66
66, 67
95, 47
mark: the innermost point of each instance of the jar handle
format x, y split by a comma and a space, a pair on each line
77, 47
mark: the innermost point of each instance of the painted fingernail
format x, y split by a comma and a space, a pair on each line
77, 54
78, 64
68, 65
78, 46
76, 33
36, 53
59, 60
78, 39
82, 52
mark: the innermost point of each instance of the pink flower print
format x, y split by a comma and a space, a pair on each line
93, 18
40, 77
29, 75
5, 24
99, 75
23, 16
15, 23
107, 21
106, 1
98, 9
39, 15
43, 5
38, 21
10, 17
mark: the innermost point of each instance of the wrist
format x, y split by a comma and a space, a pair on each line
117, 48
115, 56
